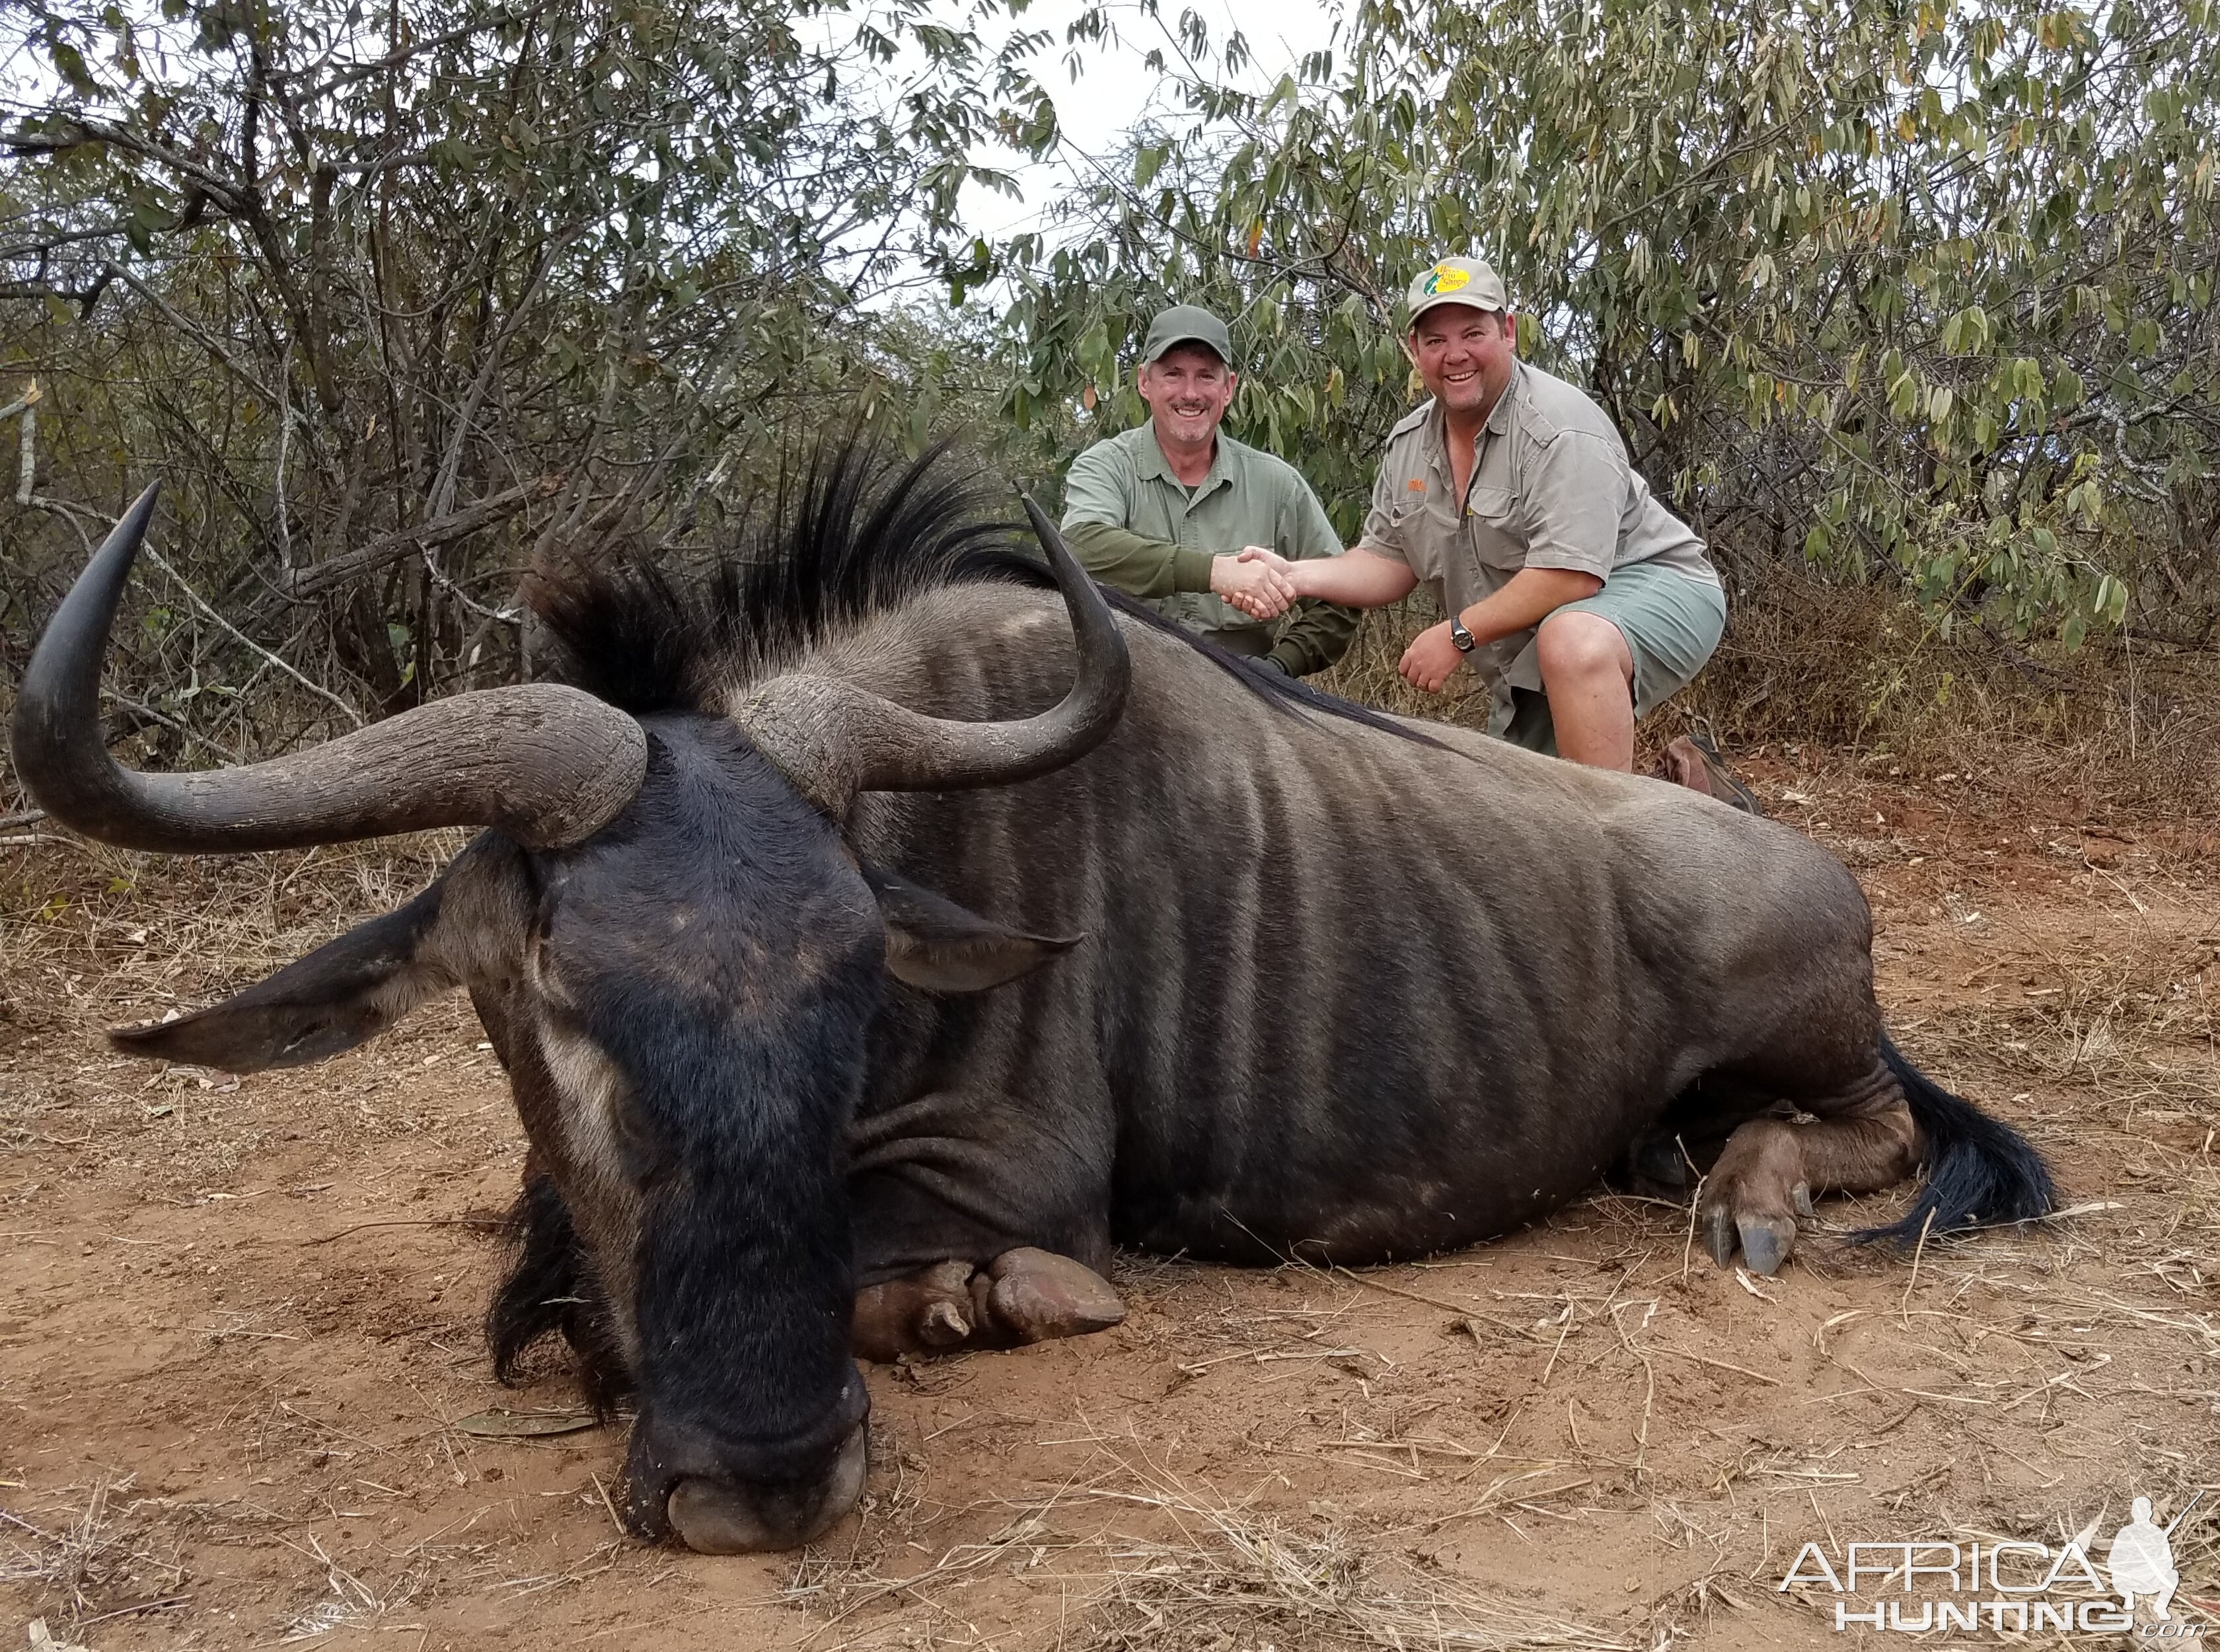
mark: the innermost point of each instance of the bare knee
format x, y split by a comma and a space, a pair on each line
1582, 649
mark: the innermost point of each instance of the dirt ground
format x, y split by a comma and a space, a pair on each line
244, 1402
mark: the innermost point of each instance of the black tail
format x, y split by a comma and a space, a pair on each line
1980, 1171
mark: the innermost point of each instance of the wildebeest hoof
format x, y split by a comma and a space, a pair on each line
1758, 1181
1719, 1234
943, 1324
1024, 1295
1766, 1241
928, 1311
1037, 1294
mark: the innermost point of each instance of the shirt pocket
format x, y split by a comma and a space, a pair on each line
1495, 539
1420, 532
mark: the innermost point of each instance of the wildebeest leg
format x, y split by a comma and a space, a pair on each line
1860, 1139
979, 1223
1023, 1295
1674, 1155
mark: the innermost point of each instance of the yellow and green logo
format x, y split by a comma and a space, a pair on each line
1446, 277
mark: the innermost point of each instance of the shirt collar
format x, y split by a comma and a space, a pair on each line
1499, 417
1154, 466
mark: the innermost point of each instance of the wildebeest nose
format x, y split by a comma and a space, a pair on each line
717, 1516
723, 1494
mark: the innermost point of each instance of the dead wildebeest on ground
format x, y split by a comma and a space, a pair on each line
1238, 970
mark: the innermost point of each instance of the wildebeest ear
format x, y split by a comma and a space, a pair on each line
341, 994
935, 944
356, 987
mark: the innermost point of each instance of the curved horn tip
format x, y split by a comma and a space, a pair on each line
1044, 529
56, 720
141, 507
121, 548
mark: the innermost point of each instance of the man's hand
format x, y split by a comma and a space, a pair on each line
1257, 582
1430, 659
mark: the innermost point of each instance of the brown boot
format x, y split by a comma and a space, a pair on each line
1693, 761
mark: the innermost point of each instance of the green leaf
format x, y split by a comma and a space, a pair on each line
2110, 603
69, 63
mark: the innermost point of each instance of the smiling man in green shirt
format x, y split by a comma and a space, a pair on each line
1164, 511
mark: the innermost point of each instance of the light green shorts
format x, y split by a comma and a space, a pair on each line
1671, 624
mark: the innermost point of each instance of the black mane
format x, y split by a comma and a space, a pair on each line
851, 535
848, 536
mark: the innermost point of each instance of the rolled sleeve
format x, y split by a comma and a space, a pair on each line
1573, 495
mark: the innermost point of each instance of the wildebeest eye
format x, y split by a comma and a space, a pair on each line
937, 944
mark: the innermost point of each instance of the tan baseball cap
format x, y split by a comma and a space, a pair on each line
1456, 281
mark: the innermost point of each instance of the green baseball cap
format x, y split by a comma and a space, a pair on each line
1186, 324
1456, 281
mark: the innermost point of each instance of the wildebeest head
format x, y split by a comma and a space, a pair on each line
678, 959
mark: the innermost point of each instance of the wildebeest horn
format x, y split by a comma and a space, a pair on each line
548, 765
833, 739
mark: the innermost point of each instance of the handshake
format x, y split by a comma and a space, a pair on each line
1259, 581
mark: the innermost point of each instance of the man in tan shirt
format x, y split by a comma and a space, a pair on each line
1579, 599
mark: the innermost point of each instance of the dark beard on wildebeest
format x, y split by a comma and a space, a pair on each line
878, 928
550, 1289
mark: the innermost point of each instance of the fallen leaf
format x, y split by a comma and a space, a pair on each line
524, 1424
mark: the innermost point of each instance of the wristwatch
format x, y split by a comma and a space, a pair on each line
1459, 635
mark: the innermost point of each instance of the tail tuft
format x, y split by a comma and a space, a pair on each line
1980, 1171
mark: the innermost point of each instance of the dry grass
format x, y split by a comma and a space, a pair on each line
1230, 1576
107, 1559
1169, 1564
89, 925
1859, 671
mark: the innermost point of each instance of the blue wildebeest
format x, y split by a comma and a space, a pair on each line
873, 940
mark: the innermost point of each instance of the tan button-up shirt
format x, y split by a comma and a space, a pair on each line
1551, 487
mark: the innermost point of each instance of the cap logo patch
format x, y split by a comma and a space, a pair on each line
1446, 279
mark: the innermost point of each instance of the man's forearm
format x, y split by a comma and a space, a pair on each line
1316, 635
1526, 599
1356, 579
1135, 563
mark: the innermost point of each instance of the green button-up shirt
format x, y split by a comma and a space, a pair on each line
1134, 525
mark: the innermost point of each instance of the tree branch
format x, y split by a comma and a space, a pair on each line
387, 548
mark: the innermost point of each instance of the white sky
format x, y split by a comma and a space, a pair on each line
1116, 89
